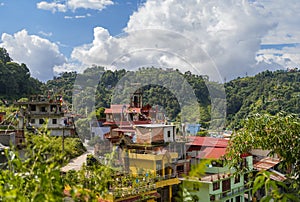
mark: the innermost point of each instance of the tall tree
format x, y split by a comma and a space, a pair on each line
4, 56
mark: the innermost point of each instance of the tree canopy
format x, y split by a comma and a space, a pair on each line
280, 134
15, 79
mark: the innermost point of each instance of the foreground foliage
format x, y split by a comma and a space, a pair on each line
38, 177
280, 134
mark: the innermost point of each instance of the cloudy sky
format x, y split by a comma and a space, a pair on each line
222, 39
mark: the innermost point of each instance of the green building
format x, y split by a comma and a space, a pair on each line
217, 182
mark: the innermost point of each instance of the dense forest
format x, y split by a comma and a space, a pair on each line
169, 90
266, 92
15, 79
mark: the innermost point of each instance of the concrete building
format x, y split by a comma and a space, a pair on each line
41, 109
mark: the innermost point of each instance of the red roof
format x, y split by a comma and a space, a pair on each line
212, 153
207, 141
122, 123
116, 109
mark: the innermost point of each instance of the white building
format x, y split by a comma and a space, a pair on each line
155, 133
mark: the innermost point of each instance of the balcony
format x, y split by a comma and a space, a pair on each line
167, 180
152, 157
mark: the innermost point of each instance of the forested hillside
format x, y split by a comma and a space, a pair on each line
15, 79
157, 86
267, 92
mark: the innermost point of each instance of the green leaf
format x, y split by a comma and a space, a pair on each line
266, 198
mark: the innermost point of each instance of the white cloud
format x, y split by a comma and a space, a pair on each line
77, 16
74, 4
53, 6
230, 32
89, 4
68, 17
47, 34
288, 57
40, 55
287, 16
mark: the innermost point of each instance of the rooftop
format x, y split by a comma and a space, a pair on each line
153, 126
207, 142
266, 163
212, 153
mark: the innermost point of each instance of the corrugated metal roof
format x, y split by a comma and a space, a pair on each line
266, 163
212, 153
275, 175
208, 141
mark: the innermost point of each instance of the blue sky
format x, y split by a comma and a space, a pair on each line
64, 27
238, 37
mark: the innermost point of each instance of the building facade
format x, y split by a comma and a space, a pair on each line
52, 111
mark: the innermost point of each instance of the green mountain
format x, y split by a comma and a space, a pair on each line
266, 92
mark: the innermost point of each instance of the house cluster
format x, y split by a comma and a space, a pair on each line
162, 163
146, 145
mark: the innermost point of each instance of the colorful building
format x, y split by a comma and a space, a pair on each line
146, 149
218, 182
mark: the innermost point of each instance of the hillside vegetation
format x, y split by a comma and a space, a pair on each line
96, 88
266, 92
15, 79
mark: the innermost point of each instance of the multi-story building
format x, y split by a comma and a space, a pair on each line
147, 149
218, 182
39, 110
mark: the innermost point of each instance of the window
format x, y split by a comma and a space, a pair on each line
216, 186
212, 198
32, 121
41, 121
53, 108
226, 185
169, 134
54, 121
32, 108
237, 179
238, 199
43, 109
180, 168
